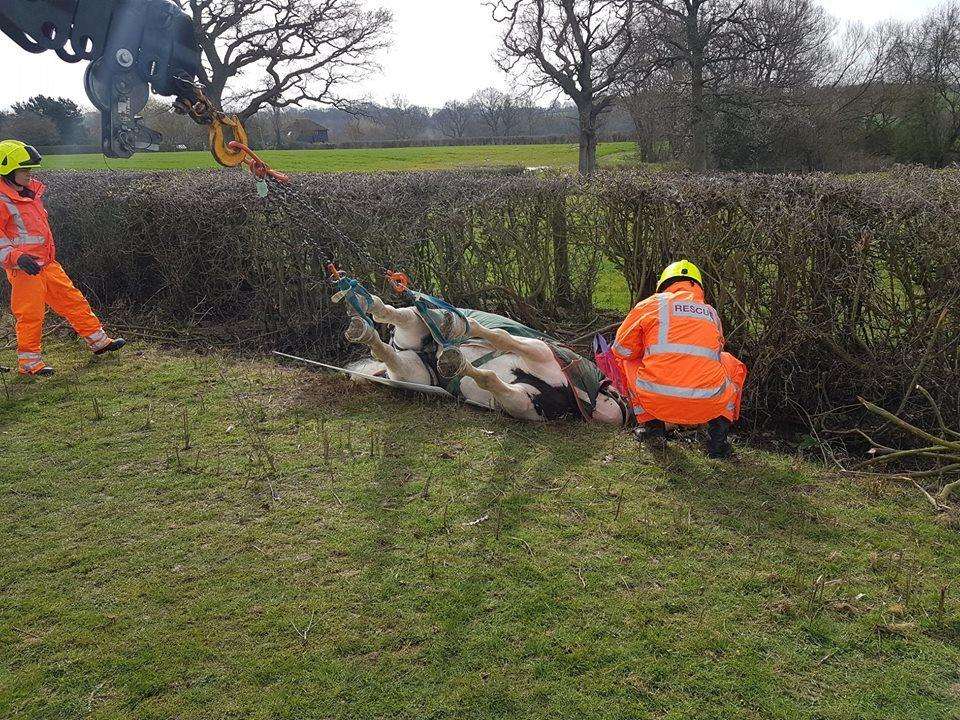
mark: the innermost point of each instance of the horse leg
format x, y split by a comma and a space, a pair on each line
529, 349
451, 363
389, 315
361, 333
511, 399
409, 330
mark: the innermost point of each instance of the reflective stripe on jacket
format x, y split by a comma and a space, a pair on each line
24, 227
670, 349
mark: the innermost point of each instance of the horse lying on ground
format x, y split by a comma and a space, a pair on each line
489, 361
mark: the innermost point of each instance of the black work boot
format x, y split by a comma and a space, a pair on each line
112, 347
718, 447
653, 433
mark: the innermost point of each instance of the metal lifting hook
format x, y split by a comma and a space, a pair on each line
239, 151
202, 110
223, 150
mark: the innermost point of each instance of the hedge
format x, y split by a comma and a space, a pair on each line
829, 287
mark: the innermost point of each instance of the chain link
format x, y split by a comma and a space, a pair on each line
199, 108
290, 200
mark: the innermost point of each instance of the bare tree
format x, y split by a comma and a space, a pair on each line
512, 111
488, 106
924, 80
695, 36
575, 47
176, 129
282, 53
401, 119
846, 98
727, 52
656, 103
453, 119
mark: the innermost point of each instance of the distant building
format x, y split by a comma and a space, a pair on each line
305, 130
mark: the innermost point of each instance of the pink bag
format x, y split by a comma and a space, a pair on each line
608, 365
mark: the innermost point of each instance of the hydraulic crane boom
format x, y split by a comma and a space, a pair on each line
133, 46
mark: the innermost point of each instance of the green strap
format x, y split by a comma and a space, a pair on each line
453, 387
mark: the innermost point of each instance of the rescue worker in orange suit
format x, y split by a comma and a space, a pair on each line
28, 255
670, 348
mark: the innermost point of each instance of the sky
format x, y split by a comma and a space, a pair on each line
441, 51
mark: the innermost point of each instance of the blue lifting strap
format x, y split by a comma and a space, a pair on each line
357, 296
424, 304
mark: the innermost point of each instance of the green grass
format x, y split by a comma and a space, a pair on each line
612, 291
445, 563
361, 160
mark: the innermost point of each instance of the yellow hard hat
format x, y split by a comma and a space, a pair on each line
681, 270
15, 155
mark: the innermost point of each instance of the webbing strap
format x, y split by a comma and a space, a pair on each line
424, 304
565, 369
357, 296
453, 387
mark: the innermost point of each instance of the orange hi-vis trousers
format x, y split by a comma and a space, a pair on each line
29, 298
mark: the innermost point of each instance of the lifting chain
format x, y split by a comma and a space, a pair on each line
295, 205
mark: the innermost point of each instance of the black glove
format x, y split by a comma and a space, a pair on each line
29, 264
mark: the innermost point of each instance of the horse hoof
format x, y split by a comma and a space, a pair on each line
358, 331
450, 362
453, 327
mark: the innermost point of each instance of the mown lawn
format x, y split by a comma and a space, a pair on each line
361, 160
191, 536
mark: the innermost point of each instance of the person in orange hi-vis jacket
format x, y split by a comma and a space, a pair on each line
670, 349
28, 255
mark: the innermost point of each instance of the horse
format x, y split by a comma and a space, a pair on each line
484, 359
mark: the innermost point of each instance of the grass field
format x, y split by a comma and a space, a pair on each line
363, 160
194, 537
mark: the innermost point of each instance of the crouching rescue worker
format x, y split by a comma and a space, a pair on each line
670, 348
28, 255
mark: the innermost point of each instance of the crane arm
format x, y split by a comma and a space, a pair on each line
133, 46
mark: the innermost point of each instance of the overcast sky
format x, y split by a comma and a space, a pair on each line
442, 50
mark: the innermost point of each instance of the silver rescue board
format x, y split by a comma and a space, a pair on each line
413, 387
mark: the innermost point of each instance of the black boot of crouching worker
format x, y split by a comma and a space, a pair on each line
718, 447
653, 433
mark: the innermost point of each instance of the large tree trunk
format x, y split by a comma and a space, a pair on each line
562, 286
699, 126
699, 151
277, 128
588, 141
